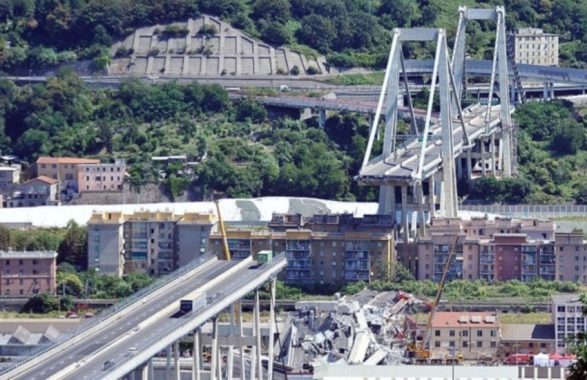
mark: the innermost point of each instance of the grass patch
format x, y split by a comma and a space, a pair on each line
533, 318
17, 315
375, 78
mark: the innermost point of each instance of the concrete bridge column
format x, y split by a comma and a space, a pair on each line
176, 369
150, 370
240, 333
405, 216
431, 196
493, 158
545, 91
483, 156
420, 205
197, 353
168, 362
258, 335
322, 118
387, 200
271, 331
460, 173
214, 357
469, 166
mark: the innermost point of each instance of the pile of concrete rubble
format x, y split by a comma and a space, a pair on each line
365, 329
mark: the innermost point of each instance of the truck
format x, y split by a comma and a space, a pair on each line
193, 305
264, 256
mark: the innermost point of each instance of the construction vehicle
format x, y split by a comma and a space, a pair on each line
419, 349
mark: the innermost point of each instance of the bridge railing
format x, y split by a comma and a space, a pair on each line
39, 349
530, 209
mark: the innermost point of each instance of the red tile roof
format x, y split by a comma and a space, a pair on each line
67, 160
464, 319
43, 178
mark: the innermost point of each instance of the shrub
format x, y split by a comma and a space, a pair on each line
207, 30
123, 52
295, 70
341, 60
174, 31
153, 52
312, 70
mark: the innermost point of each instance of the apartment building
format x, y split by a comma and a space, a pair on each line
533, 46
23, 274
475, 335
571, 256
101, 176
497, 249
323, 249
64, 170
146, 242
39, 191
568, 319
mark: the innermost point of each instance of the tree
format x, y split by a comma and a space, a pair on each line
41, 304
4, 238
317, 31
251, 110
568, 138
73, 248
272, 10
69, 284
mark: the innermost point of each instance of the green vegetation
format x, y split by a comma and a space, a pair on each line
578, 370
69, 242
552, 150
462, 290
44, 33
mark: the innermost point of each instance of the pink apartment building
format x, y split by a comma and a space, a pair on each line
27, 273
63, 169
101, 176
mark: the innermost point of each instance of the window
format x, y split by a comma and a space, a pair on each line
437, 344
479, 333
34, 262
451, 343
531, 345
465, 333
494, 344
465, 343
493, 333
479, 344
20, 262
451, 333
7, 262
436, 332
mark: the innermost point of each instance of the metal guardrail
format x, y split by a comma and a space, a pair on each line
109, 312
554, 210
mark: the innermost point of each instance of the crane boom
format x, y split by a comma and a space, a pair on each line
222, 232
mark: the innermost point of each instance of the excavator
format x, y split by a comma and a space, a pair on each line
418, 349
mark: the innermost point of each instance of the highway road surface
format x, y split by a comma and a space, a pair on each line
151, 336
124, 325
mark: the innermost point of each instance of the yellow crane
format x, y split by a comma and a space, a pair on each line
222, 232
421, 352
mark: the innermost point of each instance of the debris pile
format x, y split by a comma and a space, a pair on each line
365, 329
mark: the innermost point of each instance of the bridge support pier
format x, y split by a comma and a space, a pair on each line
420, 206
214, 356
492, 152
322, 118
483, 157
240, 334
197, 352
469, 166
271, 331
176, 369
168, 362
432, 197
258, 335
405, 216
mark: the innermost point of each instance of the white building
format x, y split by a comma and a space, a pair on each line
533, 46
568, 319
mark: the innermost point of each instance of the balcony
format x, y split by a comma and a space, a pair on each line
356, 266
356, 276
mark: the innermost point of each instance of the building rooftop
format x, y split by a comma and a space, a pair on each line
43, 178
566, 298
66, 160
532, 32
527, 332
464, 319
8, 168
28, 254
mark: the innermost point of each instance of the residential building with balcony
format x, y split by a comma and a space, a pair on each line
23, 274
497, 249
101, 176
321, 250
475, 335
146, 242
568, 318
571, 257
